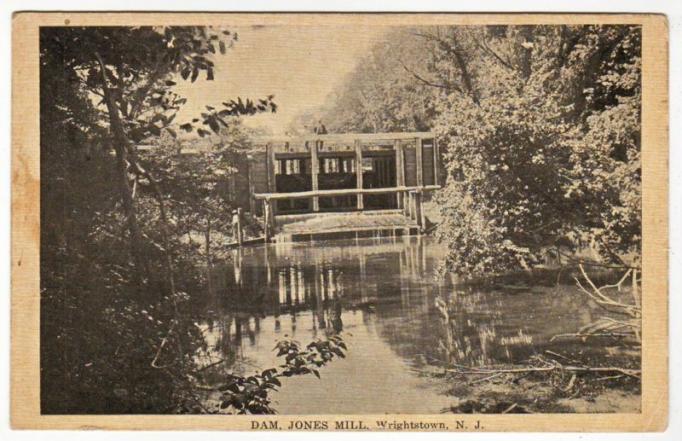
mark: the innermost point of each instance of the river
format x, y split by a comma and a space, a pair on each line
382, 295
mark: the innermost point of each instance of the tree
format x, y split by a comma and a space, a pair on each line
539, 130
115, 335
542, 144
382, 94
133, 70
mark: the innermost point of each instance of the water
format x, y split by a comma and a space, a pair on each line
382, 295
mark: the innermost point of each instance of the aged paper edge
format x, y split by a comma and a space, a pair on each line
25, 303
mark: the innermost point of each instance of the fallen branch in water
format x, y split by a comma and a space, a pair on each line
605, 301
584, 336
547, 366
629, 372
490, 377
209, 366
510, 408
608, 326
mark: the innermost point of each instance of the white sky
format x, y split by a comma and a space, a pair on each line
300, 65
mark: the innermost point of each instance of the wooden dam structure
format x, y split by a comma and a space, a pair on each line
341, 185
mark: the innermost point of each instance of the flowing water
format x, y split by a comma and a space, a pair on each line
381, 294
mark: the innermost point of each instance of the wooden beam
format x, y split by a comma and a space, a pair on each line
420, 163
240, 232
400, 172
252, 186
341, 138
418, 210
267, 222
358, 173
314, 174
398, 168
272, 169
342, 192
436, 162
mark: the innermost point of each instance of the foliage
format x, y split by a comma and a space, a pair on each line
196, 173
249, 395
536, 157
116, 328
539, 127
382, 94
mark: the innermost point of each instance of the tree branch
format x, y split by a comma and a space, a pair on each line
427, 82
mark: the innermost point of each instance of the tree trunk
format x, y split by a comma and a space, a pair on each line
120, 142
207, 236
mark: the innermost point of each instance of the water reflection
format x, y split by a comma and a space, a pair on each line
384, 293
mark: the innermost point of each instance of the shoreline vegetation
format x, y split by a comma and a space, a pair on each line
552, 381
539, 130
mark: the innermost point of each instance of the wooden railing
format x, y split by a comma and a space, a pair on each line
342, 192
412, 201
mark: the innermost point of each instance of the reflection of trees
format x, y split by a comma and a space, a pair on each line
389, 280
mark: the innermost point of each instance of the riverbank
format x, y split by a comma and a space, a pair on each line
542, 393
591, 368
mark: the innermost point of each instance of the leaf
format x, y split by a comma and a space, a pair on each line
187, 127
155, 130
213, 124
223, 49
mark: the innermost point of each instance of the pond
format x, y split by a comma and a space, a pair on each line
382, 295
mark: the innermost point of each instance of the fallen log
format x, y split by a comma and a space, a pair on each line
635, 373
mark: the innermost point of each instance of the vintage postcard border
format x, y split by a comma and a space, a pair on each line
25, 368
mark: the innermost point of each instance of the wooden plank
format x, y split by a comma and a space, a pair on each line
406, 203
272, 168
272, 174
418, 210
240, 232
252, 185
400, 164
420, 166
358, 172
399, 171
342, 192
314, 174
340, 138
436, 163
267, 214
410, 164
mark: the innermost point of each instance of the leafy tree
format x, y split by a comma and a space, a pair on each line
115, 336
133, 70
537, 157
382, 93
539, 127
196, 180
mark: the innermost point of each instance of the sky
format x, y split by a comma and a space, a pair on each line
299, 65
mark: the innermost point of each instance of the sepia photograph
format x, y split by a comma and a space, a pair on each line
335, 218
